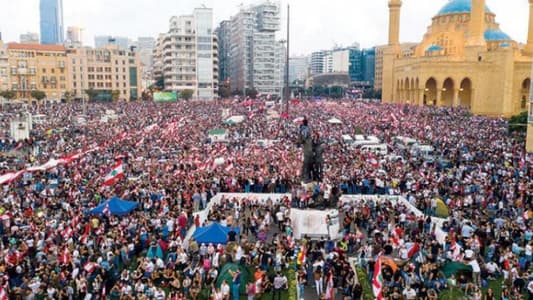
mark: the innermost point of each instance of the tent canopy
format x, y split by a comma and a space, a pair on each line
217, 131
234, 120
214, 233
117, 207
334, 121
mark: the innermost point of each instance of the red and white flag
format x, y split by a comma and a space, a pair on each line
377, 281
89, 267
64, 257
3, 294
116, 174
330, 288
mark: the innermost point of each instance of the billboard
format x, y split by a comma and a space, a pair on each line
165, 97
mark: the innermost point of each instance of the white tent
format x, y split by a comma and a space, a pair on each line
235, 120
334, 121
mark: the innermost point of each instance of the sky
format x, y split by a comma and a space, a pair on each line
315, 24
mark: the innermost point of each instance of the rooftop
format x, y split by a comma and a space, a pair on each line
37, 47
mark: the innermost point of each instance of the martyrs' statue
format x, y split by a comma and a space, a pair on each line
306, 140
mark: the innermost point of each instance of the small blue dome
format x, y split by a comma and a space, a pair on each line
505, 45
433, 48
496, 35
458, 6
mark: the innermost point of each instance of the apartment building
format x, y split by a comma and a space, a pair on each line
104, 70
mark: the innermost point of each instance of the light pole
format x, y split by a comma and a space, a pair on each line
287, 83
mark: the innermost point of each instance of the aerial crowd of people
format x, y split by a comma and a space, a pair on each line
53, 247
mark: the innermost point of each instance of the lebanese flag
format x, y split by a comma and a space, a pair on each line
64, 257
412, 249
89, 267
3, 294
115, 174
229, 168
377, 281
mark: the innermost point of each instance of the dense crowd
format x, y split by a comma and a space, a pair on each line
54, 248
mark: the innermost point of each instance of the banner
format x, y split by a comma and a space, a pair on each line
165, 97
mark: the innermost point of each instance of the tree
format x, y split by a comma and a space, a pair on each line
9, 95
518, 123
224, 92
69, 95
252, 93
38, 95
186, 94
336, 92
91, 93
115, 94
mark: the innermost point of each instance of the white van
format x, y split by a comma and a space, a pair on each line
423, 150
380, 149
405, 141
361, 140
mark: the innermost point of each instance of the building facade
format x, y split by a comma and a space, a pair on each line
102, 41
406, 50
223, 32
255, 55
186, 57
4, 67
29, 38
74, 37
464, 59
298, 68
104, 70
37, 67
51, 23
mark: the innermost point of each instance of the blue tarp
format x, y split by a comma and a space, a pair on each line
214, 233
117, 207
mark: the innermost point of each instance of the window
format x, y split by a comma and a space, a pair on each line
123, 69
44, 70
124, 84
123, 62
53, 70
90, 69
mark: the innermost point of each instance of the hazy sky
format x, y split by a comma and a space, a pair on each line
315, 24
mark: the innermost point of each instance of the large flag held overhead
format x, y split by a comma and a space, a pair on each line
116, 174
377, 281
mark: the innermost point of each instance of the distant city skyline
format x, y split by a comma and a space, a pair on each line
314, 26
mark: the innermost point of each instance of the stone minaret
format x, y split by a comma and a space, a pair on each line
394, 24
529, 45
476, 36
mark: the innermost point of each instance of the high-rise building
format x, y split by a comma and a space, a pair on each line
104, 70
321, 62
223, 32
52, 30
186, 57
298, 68
37, 67
29, 38
74, 36
103, 41
255, 55
368, 61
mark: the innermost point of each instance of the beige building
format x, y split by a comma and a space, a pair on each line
407, 49
464, 59
4, 67
37, 67
104, 70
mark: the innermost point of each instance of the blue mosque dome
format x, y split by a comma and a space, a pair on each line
496, 35
458, 6
433, 48
505, 45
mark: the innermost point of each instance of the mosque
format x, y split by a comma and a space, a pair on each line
464, 59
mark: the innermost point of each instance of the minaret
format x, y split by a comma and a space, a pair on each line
394, 24
529, 46
392, 52
476, 36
